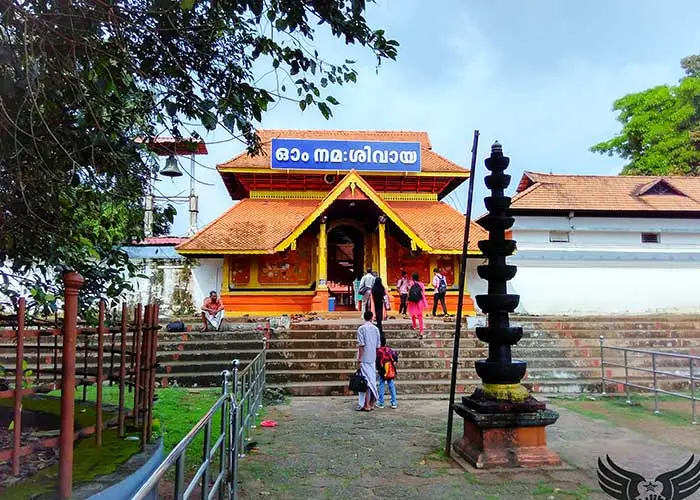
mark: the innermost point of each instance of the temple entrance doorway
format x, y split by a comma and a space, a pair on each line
346, 255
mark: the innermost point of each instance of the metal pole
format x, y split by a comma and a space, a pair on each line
205, 460
602, 366
656, 393
222, 452
627, 384
193, 199
692, 389
180, 477
72, 284
460, 297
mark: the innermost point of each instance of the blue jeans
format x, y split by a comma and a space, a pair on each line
392, 390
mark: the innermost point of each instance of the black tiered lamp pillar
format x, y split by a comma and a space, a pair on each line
503, 425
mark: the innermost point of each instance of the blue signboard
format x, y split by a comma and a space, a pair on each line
310, 154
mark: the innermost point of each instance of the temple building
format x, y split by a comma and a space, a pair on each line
595, 244
317, 208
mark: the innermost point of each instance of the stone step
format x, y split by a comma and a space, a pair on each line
472, 342
441, 388
427, 364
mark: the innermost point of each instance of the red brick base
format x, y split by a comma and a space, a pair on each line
491, 447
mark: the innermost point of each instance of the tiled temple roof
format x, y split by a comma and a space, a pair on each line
596, 193
431, 162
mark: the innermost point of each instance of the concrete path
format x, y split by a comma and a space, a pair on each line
324, 449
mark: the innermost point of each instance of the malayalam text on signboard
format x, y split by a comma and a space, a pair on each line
305, 154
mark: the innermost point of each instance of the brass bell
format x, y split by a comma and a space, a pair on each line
171, 168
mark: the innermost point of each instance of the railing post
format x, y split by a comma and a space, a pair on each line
100, 372
225, 412
602, 366
656, 393
19, 377
205, 458
692, 389
233, 447
180, 477
627, 381
72, 283
122, 372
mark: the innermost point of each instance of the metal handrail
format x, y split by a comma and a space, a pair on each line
177, 456
240, 404
693, 363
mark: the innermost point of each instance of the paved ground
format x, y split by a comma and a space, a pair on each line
324, 449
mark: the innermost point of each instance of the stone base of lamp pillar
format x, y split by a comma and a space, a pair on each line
503, 434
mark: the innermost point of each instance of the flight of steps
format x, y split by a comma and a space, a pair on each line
563, 354
317, 357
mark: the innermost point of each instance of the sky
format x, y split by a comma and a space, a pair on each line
538, 76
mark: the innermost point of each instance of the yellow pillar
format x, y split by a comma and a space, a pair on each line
322, 255
382, 250
375, 252
254, 272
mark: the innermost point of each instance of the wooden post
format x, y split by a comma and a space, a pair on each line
152, 378
145, 350
100, 375
72, 282
137, 366
19, 376
122, 370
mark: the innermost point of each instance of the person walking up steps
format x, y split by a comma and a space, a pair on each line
417, 303
386, 368
440, 286
365, 290
402, 286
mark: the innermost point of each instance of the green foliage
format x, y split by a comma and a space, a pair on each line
85, 85
660, 128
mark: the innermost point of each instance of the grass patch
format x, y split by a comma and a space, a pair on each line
615, 409
438, 454
89, 462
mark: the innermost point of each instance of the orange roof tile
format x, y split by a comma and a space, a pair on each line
430, 161
251, 225
438, 224
543, 192
260, 225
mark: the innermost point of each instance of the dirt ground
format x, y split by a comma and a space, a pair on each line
324, 449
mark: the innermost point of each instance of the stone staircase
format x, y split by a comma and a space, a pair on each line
317, 357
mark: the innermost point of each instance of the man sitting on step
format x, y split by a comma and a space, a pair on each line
212, 312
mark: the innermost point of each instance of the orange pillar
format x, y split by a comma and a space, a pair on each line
72, 283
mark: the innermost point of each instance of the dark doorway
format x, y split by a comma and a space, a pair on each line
346, 251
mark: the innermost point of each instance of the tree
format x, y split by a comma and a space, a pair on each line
85, 84
660, 127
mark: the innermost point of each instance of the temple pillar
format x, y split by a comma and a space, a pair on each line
320, 302
254, 272
382, 250
375, 252
322, 255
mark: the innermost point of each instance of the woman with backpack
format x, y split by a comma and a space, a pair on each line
380, 298
417, 303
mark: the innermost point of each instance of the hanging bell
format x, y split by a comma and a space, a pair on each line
171, 168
